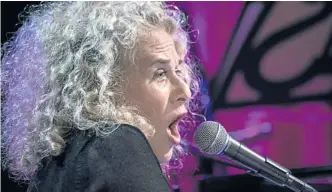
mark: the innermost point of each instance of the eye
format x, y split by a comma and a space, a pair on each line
179, 72
161, 75
180, 69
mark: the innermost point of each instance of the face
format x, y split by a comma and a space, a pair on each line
156, 86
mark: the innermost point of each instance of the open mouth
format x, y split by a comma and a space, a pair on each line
174, 134
175, 122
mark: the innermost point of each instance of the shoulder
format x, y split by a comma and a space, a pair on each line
124, 138
124, 131
124, 161
123, 145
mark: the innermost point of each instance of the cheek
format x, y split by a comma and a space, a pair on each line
156, 99
151, 99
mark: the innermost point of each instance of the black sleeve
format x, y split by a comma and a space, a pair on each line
124, 162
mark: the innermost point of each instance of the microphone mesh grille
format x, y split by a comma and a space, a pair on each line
210, 137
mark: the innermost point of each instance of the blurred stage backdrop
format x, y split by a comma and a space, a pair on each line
268, 69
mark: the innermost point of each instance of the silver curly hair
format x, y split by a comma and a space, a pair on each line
62, 72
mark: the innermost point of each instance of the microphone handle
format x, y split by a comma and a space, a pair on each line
263, 166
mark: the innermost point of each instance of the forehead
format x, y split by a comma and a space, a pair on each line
158, 43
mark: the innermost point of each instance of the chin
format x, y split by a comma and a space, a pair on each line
167, 156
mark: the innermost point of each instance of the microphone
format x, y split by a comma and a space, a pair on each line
212, 138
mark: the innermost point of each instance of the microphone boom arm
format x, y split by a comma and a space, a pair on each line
264, 167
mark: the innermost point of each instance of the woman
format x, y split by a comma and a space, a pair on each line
110, 84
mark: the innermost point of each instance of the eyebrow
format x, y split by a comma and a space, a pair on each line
161, 61
166, 61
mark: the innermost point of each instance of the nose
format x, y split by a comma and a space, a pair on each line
181, 91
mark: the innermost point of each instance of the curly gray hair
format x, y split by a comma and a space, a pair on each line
78, 48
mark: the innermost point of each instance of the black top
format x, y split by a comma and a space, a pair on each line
123, 161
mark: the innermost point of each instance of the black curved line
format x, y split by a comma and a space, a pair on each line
280, 93
253, 76
328, 45
220, 99
292, 30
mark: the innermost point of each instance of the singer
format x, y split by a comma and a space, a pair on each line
95, 94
